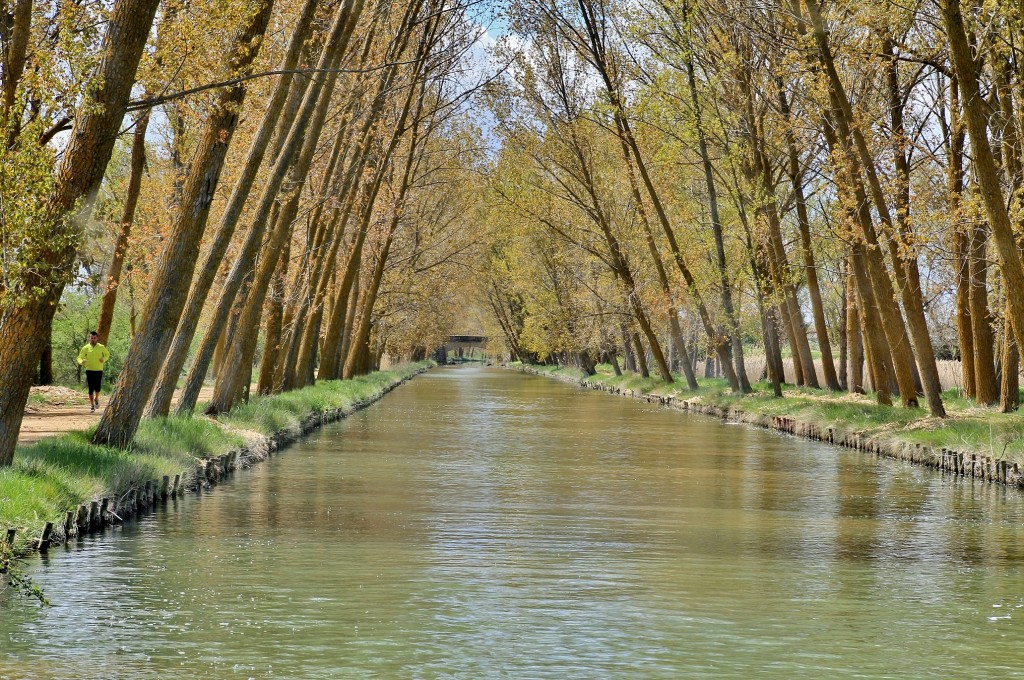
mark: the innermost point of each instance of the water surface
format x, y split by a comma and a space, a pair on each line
481, 523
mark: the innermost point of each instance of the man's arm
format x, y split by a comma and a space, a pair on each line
105, 357
81, 354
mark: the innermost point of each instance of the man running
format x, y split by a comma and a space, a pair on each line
93, 356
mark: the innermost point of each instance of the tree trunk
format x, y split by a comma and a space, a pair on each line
860, 164
877, 347
16, 38
272, 336
984, 163
961, 241
1009, 396
784, 312
177, 262
983, 339
78, 177
160, 401
853, 337
234, 377
843, 342
614, 361
796, 176
301, 129
676, 332
46, 360
629, 358
137, 166
740, 376
641, 355
342, 349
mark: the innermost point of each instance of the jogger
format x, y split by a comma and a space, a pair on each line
93, 356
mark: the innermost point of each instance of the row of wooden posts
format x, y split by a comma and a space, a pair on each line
95, 516
973, 465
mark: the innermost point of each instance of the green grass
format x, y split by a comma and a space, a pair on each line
268, 415
59, 473
969, 428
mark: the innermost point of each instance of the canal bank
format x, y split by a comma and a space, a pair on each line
975, 443
65, 487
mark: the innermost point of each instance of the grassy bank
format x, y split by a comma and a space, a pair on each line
60, 473
968, 428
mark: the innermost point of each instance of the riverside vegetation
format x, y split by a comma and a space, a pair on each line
966, 428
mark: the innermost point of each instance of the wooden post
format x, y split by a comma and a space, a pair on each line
104, 511
44, 540
83, 520
69, 522
146, 495
175, 488
164, 485
94, 516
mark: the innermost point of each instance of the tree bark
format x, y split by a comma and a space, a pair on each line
986, 385
1009, 394
961, 242
46, 366
629, 358
641, 355
853, 337
272, 335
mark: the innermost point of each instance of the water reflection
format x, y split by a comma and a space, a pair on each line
481, 523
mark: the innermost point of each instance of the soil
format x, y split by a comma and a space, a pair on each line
64, 410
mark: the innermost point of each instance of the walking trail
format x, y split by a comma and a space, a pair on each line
55, 410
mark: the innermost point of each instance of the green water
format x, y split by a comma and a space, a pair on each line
479, 523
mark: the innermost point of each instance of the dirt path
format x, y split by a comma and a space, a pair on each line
67, 412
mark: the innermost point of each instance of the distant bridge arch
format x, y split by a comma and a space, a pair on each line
461, 348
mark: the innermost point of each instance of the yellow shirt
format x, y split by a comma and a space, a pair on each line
93, 356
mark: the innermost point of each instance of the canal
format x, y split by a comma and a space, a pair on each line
482, 523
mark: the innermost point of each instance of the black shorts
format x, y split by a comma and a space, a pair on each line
94, 379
